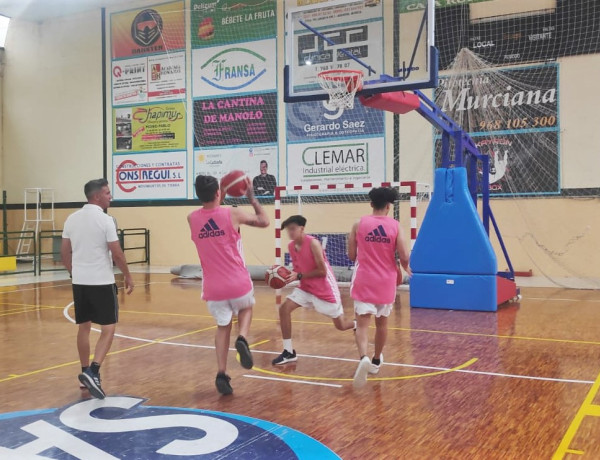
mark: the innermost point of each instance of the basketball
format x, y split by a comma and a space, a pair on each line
234, 183
276, 275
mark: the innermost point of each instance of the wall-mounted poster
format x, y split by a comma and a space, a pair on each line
243, 67
248, 119
150, 176
258, 162
148, 79
218, 23
152, 127
156, 29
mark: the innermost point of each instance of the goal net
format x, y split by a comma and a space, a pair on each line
331, 211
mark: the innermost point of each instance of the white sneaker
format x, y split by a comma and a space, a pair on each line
360, 376
374, 368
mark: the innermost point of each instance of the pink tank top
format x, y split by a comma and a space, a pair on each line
325, 288
374, 279
219, 245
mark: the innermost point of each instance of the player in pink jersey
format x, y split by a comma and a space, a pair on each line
318, 287
226, 284
373, 243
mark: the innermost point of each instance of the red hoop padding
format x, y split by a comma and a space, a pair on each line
399, 102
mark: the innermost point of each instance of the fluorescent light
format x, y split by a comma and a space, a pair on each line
4, 21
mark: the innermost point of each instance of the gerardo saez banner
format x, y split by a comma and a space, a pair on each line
513, 117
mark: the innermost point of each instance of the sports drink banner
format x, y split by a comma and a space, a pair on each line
315, 120
150, 176
515, 120
154, 127
248, 119
238, 68
148, 79
219, 161
218, 23
158, 29
336, 161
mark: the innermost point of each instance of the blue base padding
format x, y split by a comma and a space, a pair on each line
454, 292
452, 238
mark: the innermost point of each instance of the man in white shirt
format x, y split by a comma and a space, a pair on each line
89, 246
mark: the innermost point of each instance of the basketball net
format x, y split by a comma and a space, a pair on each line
341, 85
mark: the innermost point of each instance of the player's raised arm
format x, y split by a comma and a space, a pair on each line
258, 219
402, 251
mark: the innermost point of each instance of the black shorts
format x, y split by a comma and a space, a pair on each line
98, 304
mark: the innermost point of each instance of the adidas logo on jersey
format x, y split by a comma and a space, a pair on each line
377, 235
211, 229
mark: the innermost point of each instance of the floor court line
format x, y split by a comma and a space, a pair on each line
416, 366
587, 408
306, 382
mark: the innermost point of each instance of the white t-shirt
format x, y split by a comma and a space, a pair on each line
89, 230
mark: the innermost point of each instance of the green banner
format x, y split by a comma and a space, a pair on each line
408, 6
226, 22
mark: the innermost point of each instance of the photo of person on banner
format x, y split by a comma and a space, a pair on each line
264, 184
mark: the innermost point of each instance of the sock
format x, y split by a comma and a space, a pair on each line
95, 367
287, 345
376, 361
83, 369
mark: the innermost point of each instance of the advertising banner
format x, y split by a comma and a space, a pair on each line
248, 119
244, 67
515, 40
515, 120
158, 29
259, 163
152, 176
149, 128
314, 120
407, 6
148, 79
218, 23
336, 161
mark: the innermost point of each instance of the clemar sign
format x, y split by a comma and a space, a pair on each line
121, 427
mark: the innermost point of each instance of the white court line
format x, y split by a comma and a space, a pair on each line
334, 385
563, 300
415, 366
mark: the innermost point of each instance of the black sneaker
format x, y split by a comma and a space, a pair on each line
92, 383
285, 357
222, 383
245, 356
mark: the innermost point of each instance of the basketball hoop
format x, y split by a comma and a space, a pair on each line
341, 85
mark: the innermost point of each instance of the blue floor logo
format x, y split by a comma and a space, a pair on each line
120, 427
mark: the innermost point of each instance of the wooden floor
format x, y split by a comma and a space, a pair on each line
512, 384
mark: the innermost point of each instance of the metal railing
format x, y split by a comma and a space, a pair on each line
141, 237
9, 250
50, 241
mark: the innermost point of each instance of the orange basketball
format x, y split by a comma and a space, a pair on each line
276, 275
234, 183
